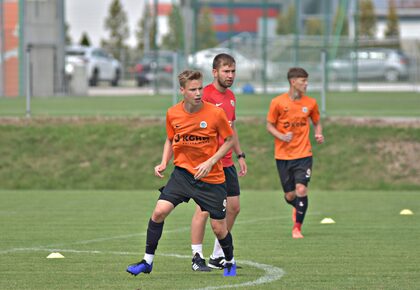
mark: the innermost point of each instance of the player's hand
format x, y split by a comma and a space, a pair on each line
203, 169
287, 137
243, 169
319, 138
159, 169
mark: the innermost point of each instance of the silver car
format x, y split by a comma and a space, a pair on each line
382, 63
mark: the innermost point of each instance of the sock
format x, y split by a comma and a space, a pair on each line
301, 207
198, 248
148, 258
227, 246
291, 202
154, 232
217, 250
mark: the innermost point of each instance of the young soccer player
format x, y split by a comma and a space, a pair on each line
193, 128
218, 93
288, 121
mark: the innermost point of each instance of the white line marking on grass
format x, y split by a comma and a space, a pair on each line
272, 273
98, 240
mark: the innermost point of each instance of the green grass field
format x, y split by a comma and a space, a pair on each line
372, 104
99, 232
371, 246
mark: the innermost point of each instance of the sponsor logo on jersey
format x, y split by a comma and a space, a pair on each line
191, 139
304, 109
294, 124
219, 104
203, 124
232, 102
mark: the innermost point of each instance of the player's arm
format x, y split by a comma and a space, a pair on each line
243, 169
273, 131
319, 137
166, 157
204, 168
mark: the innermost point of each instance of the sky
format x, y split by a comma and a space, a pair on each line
89, 16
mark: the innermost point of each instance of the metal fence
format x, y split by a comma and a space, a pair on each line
262, 63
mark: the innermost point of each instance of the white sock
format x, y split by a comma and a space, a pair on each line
197, 249
148, 258
217, 250
231, 261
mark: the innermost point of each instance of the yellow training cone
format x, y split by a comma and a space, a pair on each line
55, 256
406, 212
327, 221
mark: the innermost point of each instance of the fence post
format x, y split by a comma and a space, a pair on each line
28, 80
324, 82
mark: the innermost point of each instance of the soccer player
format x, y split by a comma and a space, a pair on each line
288, 121
218, 93
193, 128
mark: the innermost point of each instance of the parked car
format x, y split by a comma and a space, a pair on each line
247, 68
100, 66
375, 63
155, 65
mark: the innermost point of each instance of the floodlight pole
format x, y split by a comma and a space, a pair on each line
324, 82
174, 77
28, 80
2, 59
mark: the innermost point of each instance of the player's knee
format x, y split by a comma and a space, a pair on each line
301, 190
290, 196
219, 229
159, 216
234, 209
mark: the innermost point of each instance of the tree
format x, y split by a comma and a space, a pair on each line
392, 27
174, 40
206, 35
68, 39
367, 21
146, 30
314, 26
286, 22
116, 23
84, 40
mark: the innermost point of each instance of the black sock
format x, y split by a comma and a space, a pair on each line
227, 246
154, 232
291, 202
301, 207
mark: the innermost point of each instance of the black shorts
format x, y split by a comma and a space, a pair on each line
294, 171
232, 183
182, 186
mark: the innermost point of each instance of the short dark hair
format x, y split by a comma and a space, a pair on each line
296, 72
223, 59
189, 75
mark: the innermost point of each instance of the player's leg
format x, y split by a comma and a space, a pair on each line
226, 242
198, 227
302, 175
288, 184
175, 192
232, 210
154, 232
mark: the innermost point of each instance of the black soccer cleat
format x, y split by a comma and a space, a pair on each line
217, 263
199, 264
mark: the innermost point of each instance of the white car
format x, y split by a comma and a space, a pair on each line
100, 66
247, 68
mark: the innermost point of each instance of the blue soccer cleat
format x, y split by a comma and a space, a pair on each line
140, 267
229, 270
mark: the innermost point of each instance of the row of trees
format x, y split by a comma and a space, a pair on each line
117, 25
286, 22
